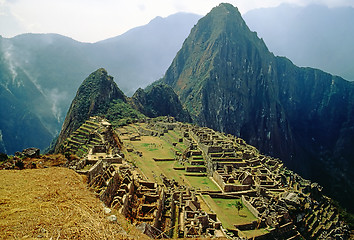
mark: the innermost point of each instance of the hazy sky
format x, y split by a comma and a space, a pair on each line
94, 20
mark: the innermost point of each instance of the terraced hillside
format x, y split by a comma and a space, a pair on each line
92, 133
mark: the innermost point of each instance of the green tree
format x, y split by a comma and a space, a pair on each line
238, 206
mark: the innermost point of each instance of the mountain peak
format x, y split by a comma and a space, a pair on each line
226, 15
222, 33
226, 8
160, 100
229, 81
156, 19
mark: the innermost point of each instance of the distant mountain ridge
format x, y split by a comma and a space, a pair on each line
142, 55
23, 114
312, 36
229, 81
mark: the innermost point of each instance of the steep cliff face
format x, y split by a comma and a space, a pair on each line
93, 97
320, 110
229, 81
159, 100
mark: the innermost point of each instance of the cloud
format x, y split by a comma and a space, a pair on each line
10, 24
93, 20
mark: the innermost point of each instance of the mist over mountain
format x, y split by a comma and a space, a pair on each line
54, 66
313, 36
23, 109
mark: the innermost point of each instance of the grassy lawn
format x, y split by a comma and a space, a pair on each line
202, 183
167, 169
223, 206
173, 136
160, 147
155, 147
152, 147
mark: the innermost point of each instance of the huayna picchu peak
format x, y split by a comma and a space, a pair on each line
229, 81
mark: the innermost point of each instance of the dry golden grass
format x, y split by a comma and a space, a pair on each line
54, 203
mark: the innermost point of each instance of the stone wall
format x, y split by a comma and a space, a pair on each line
163, 159
81, 164
236, 188
160, 208
195, 169
247, 226
249, 206
228, 187
114, 159
214, 149
218, 179
112, 187
94, 170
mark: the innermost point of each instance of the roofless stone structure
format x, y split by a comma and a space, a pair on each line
173, 202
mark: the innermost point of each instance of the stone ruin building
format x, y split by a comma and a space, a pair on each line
97, 145
283, 202
291, 206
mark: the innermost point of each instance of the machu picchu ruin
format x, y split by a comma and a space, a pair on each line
178, 180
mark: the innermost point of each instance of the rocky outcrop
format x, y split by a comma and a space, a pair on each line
159, 100
31, 152
229, 81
